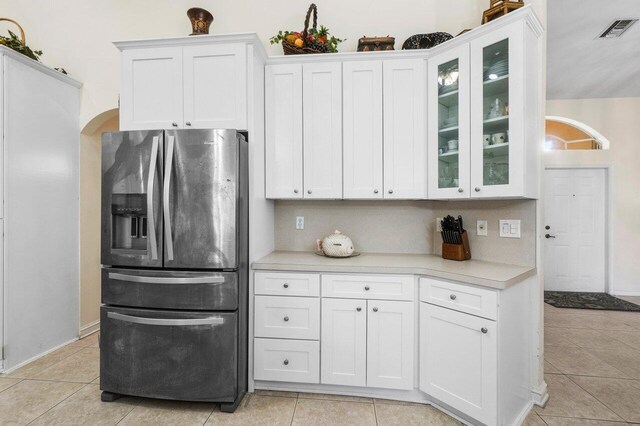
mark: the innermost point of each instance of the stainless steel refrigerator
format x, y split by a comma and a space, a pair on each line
175, 265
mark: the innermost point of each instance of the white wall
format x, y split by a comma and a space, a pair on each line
78, 34
617, 119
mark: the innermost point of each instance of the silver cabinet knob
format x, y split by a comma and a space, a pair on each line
452, 296
375, 309
358, 309
308, 191
484, 330
286, 319
460, 190
375, 191
391, 191
174, 124
295, 191
285, 285
367, 288
477, 189
188, 123
286, 362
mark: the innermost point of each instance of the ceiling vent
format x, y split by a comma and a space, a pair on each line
617, 28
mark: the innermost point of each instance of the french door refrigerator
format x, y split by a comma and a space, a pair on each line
175, 265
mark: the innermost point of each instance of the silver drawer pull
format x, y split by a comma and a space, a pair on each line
285, 285
452, 296
484, 330
166, 321
165, 280
286, 319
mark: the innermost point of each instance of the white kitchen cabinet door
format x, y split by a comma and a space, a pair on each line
405, 142
390, 344
458, 361
449, 117
215, 87
343, 359
362, 122
283, 115
322, 130
152, 96
497, 112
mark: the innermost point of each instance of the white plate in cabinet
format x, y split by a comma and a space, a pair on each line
344, 342
460, 297
283, 126
322, 129
458, 361
379, 287
285, 284
286, 360
287, 317
390, 327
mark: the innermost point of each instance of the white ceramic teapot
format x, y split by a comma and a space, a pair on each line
336, 245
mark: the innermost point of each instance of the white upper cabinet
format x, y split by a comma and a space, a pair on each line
322, 130
362, 112
448, 124
498, 138
215, 86
184, 85
390, 344
151, 96
283, 115
405, 143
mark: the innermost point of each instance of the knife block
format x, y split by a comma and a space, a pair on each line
457, 251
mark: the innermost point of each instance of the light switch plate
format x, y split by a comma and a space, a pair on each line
299, 223
481, 228
438, 224
510, 228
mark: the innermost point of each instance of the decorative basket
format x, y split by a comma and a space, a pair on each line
23, 39
292, 49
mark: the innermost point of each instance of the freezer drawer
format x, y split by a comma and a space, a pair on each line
214, 291
170, 355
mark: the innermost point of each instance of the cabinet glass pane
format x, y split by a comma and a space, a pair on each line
448, 101
495, 98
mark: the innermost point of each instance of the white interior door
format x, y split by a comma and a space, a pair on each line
574, 221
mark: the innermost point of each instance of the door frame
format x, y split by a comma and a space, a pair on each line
608, 214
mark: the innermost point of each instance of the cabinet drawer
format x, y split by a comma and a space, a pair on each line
460, 297
287, 360
378, 287
287, 317
283, 284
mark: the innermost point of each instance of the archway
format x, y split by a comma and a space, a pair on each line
567, 134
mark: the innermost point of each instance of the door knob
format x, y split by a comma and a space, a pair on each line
547, 227
549, 236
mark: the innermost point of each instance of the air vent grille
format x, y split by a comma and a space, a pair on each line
617, 28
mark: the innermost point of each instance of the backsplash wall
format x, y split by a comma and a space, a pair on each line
407, 226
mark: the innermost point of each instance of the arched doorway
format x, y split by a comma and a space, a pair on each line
563, 133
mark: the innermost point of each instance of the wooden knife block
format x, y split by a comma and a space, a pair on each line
457, 251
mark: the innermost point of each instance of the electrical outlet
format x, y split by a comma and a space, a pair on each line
510, 228
481, 228
299, 223
438, 224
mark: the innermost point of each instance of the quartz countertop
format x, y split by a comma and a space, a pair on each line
477, 272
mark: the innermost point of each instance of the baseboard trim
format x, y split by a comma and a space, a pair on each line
90, 328
22, 364
540, 396
523, 415
626, 293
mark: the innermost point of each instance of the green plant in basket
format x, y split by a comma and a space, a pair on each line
309, 40
13, 42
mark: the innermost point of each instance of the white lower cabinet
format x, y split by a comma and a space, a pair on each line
458, 361
367, 343
287, 360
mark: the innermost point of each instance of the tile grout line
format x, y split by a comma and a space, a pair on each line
375, 412
294, 409
63, 400
583, 418
596, 398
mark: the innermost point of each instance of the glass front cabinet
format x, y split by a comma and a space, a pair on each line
480, 97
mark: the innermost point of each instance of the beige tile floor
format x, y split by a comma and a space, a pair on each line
592, 366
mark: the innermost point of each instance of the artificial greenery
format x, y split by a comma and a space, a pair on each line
13, 42
317, 39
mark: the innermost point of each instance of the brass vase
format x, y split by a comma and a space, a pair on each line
200, 19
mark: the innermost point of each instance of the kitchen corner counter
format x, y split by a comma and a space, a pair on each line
488, 274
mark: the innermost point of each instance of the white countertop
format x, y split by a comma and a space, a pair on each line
478, 272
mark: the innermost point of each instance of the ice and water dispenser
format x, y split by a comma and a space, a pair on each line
129, 221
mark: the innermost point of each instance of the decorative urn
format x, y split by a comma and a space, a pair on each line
200, 19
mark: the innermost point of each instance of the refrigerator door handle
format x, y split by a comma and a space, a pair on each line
165, 198
150, 189
165, 280
166, 321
